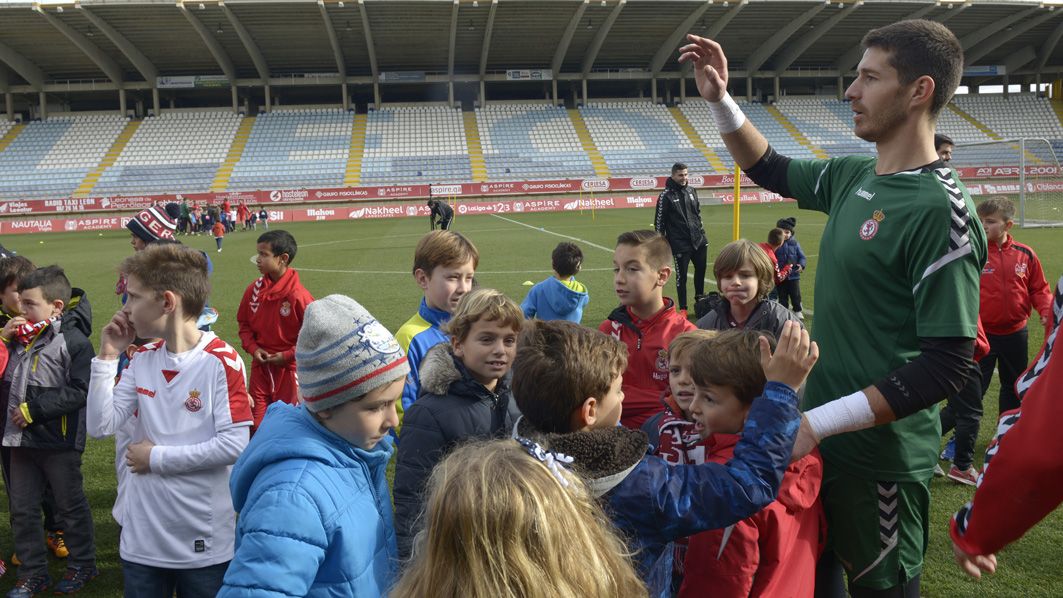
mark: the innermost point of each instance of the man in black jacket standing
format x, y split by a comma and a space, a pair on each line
678, 218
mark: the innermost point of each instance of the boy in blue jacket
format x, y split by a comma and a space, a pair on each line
567, 383
561, 296
788, 292
311, 487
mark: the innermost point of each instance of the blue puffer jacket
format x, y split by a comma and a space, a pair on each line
654, 503
791, 253
315, 513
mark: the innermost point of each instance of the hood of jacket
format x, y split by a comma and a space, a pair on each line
562, 298
283, 287
442, 373
291, 432
602, 457
800, 484
78, 313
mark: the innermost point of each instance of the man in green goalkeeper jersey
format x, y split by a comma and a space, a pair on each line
896, 296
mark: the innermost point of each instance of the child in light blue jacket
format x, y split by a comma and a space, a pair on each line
561, 296
311, 487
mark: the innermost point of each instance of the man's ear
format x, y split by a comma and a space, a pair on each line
923, 91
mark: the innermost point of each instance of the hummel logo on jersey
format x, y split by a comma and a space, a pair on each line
865, 194
616, 330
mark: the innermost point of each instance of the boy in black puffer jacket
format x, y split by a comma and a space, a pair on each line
464, 395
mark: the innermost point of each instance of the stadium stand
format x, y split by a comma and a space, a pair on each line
827, 123
530, 141
175, 151
49, 158
1024, 115
640, 138
294, 148
415, 144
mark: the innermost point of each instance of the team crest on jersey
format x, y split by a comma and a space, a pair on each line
286, 309
870, 227
662, 361
1020, 269
193, 403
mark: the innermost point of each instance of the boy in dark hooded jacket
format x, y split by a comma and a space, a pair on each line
567, 383
464, 395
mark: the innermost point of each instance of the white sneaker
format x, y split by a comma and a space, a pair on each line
219, 250
938, 472
800, 316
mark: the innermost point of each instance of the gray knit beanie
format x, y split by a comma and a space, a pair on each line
343, 352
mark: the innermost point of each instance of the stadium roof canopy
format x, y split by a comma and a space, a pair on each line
141, 44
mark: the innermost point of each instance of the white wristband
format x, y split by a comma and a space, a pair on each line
728, 116
846, 414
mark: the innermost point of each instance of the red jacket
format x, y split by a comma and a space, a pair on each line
1023, 478
271, 314
647, 343
770, 554
1012, 283
780, 274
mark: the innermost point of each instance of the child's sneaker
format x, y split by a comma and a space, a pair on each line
57, 544
75, 579
28, 586
968, 476
949, 452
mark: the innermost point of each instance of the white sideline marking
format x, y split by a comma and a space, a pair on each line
407, 272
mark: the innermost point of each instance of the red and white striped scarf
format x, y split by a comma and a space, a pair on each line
27, 332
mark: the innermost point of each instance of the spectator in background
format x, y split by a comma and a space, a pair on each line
678, 219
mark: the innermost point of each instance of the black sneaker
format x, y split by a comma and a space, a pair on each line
75, 579
28, 586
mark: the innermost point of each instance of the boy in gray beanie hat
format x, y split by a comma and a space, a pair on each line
311, 487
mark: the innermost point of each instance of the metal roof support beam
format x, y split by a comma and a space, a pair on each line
486, 48
566, 39
599, 39
1019, 59
1048, 47
139, 60
978, 52
337, 52
972, 39
851, 58
22, 65
717, 27
794, 51
372, 52
249, 44
223, 60
453, 44
670, 45
96, 55
764, 52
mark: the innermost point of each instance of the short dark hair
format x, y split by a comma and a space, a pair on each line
918, 48
280, 241
678, 166
658, 251
566, 258
940, 140
559, 365
13, 269
51, 280
775, 237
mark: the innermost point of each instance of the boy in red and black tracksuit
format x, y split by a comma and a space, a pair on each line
1012, 283
270, 316
646, 321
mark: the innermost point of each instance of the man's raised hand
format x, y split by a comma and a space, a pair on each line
710, 66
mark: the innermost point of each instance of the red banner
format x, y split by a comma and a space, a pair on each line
359, 211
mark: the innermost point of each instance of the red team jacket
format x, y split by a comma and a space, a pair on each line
1023, 478
1012, 282
647, 343
780, 274
271, 314
772, 553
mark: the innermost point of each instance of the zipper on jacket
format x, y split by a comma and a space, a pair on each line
63, 425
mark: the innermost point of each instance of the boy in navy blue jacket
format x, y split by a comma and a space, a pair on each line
788, 292
567, 382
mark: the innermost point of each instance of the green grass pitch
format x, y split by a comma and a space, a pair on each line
371, 260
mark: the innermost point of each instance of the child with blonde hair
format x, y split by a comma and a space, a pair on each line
506, 519
464, 395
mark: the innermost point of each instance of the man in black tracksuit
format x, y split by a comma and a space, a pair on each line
678, 218
441, 211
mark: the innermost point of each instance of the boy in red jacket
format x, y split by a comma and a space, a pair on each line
774, 552
1012, 283
646, 321
270, 316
